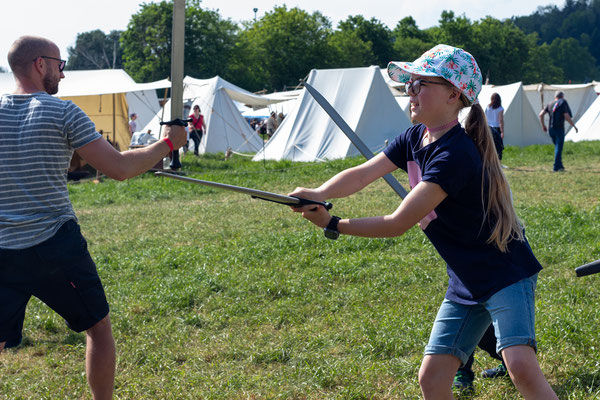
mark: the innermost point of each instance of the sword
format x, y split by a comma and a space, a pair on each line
364, 150
254, 193
588, 269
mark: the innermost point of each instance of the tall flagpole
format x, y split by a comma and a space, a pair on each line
177, 56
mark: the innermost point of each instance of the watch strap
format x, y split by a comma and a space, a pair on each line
333, 223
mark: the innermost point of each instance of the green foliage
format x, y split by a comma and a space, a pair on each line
348, 50
538, 68
209, 42
409, 41
578, 20
576, 62
147, 42
217, 296
276, 51
96, 50
493, 48
284, 45
374, 34
455, 31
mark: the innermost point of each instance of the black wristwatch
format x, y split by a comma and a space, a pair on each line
331, 230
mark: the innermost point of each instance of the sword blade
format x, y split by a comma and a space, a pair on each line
356, 141
260, 194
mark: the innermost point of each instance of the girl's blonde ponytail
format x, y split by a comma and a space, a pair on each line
499, 211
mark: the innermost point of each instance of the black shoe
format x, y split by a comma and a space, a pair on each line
498, 372
463, 382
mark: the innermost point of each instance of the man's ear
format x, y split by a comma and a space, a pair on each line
39, 66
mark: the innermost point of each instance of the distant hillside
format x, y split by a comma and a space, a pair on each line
578, 20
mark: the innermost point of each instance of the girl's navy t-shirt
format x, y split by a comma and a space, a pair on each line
457, 227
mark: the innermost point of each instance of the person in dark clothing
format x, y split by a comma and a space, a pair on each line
558, 111
463, 380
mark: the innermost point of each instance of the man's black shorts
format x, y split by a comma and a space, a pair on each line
61, 273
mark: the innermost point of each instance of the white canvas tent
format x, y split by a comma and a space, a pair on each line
404, 103
225, 126
145, 102
284, 107
521, 124
105, 96
359, 95
579, 97
284, 96
588, 125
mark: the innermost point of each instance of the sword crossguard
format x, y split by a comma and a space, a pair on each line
177, 122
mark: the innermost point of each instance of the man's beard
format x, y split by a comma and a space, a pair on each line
50, 84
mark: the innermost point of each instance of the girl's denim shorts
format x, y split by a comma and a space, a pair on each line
458, 328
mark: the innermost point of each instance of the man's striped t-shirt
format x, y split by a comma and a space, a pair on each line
38, 134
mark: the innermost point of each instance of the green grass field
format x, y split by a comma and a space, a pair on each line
217, 296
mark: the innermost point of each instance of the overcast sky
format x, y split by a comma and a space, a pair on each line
62, 20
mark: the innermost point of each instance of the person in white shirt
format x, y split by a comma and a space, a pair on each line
495, 116
132, 124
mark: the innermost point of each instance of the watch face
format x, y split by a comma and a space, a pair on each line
331, 234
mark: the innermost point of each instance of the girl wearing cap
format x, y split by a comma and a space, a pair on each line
461, 200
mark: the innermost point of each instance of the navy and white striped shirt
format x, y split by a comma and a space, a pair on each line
38, 134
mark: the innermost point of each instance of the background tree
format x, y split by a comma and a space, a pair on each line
539, 66
372, 32
246, 67
147, 42
209, 42
409, 42
347, 50
579, 20
454, 31
551, 45
576, 62
96, 50
495, 44
281, 48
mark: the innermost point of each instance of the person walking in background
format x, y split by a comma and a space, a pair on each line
272, 124
461, 200
558, 111
42, 251
196, 128
132, 124
495, 117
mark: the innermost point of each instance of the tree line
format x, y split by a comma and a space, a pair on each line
552, 45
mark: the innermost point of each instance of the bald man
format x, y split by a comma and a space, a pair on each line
42, 252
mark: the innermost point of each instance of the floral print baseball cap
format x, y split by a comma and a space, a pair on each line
451, 63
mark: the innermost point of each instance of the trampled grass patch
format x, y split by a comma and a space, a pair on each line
217, 296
